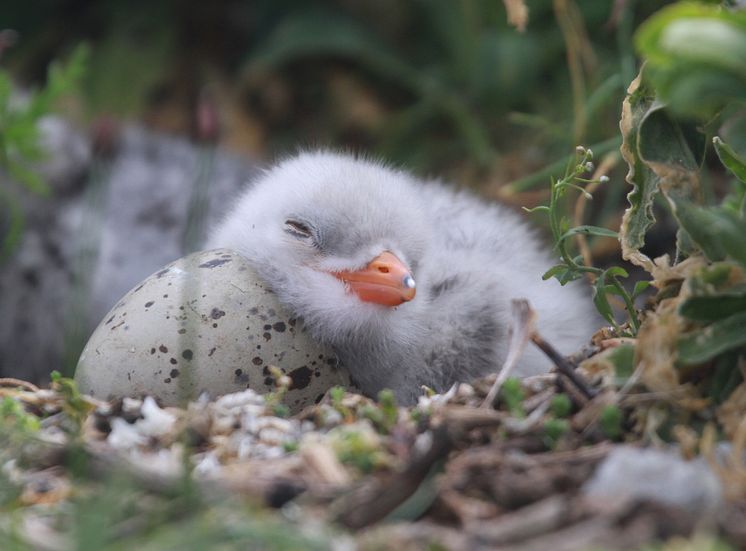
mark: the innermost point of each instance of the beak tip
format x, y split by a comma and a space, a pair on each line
409, 282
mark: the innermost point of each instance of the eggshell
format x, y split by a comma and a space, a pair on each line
205, 323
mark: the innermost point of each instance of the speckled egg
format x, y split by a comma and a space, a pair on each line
205, 323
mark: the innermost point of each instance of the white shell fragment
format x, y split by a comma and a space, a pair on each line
205, 323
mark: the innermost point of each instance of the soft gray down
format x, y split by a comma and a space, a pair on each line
343, 241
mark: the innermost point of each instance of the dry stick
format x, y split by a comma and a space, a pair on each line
563, 366
373, 501
15, 383
521, 328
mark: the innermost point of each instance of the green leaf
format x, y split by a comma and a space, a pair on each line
718, 231
723, 335
726, 378
589, 230
616, 271
638, 217
554, 271
697, 56
640, 288
600, 300
730, 159
713, 307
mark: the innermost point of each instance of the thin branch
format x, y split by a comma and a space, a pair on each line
563, 366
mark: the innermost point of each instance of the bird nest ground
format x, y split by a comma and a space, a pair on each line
522, 467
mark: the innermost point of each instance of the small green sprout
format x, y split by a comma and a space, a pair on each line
512, 394
553, 431
561, 405
611, 422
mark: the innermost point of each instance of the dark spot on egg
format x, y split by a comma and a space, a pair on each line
301, 377
291, 322
279, 327
181, 331
174, 373
152, 350
265, 370
117, 325
162, 273
317, 373
163, 348
211, 352
254, 311
269, 381
167, 380
267, 336
110, 320
165, 296
149, 303
173, 361
267, 327
318, 398
331, 361
256, 360
238, 372
187, 354
215, 263
214, 325
217, 313
138, 288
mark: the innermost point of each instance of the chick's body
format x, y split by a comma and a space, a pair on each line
316, 215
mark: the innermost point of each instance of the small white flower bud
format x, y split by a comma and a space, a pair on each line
589, 166
580, 149
604, 179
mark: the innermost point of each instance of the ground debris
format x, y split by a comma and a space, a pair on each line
526, 473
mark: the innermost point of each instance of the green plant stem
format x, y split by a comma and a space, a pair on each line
628, 302
532, 180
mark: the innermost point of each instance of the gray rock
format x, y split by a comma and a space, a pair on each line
630, 473
138, 230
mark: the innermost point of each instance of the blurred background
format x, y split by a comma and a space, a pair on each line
127, 126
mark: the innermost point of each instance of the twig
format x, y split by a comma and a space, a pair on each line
563, 366
521, 327
372, 502
12, 382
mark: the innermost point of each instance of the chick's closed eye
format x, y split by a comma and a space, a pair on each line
298, 229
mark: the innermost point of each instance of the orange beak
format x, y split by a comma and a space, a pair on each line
385, 281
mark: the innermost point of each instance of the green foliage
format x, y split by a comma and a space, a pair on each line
572, 267
355, 446
512, 395
76, 406
697, 56
553, 431
561, 406
611, 422
14, 417
20, 141
388, 408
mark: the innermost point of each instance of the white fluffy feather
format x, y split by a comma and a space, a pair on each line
469, 260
